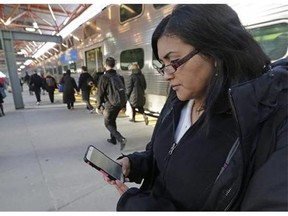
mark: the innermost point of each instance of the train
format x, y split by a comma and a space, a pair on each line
124, 32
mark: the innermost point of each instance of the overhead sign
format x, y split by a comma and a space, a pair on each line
69, 56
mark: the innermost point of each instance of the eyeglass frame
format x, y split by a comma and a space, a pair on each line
175, 65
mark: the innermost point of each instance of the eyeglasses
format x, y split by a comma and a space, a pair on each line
172, 68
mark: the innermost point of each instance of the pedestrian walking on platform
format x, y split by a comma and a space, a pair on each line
136, 87
85, 84
36, 83
107, 105
27, 81
69, 89
2, 96
51, 85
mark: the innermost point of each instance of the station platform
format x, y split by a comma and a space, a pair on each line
41, 155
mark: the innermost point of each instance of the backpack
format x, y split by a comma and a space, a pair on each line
116, 91
50, 82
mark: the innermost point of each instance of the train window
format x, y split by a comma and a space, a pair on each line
60, 71
65, 68
158, 6
94, 60
90, 29
72, 66
273, 39
128, 57
129, 11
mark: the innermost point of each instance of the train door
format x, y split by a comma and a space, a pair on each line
94, 60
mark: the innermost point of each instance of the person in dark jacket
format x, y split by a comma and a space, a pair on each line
36, 83
203, 154
51, 85
85, 84
27, 81
110, 112
69, 88
2, 90
136, 87
96, 76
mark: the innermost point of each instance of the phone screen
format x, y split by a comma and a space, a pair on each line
100, 161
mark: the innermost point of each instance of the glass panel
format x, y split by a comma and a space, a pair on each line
129, 11
72, 67
94, 60
99, 60
128, 57
65, 68
90, 29
60, 69
90, 57
273, 39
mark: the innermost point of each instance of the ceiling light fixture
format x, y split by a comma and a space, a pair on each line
30, 29
86, 15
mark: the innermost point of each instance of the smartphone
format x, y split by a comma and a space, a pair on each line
102, 162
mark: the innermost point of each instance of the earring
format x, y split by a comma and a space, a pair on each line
216, 72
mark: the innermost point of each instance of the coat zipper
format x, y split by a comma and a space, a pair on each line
239, 138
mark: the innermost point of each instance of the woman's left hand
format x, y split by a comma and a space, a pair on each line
120, 186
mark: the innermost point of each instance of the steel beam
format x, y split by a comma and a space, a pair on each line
7, 40
28, 36
22, 58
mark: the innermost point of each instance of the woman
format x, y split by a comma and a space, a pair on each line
69, 90
136, 87
203, 153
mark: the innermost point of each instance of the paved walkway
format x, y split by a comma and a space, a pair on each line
41, 156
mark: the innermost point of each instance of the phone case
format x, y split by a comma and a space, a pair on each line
99, 168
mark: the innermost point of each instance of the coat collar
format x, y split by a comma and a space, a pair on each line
256, 100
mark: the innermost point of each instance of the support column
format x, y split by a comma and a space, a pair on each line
7, 44
7, 37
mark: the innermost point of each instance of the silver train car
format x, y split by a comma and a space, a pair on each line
124, 32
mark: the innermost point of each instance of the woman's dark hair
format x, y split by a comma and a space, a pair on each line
68, 72
110, 61
216, 31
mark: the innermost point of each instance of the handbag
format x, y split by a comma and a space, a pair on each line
61, 87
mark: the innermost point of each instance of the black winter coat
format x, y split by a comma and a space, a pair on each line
230, 143
69, 89
36, 80
84, 78
135, 89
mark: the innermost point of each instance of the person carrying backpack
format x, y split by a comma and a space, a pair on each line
111, 98
51, 85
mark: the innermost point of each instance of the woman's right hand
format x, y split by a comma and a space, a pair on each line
120, 186
125, 163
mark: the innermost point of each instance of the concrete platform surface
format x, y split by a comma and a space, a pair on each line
41, 155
